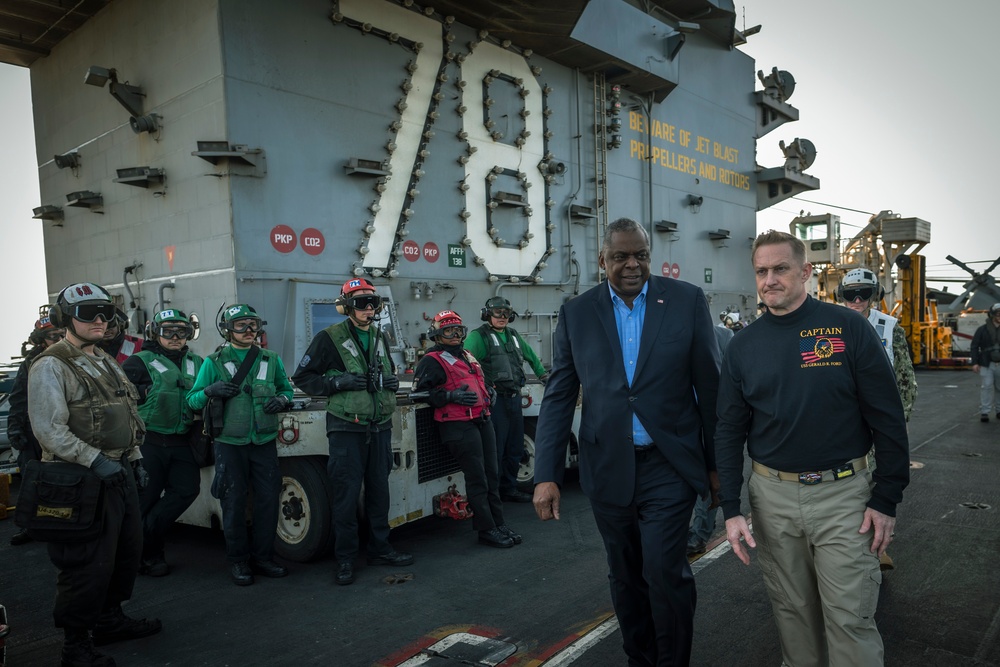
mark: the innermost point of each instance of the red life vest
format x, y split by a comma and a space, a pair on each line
130, 345
458, 374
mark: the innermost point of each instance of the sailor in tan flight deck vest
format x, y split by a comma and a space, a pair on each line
83, 411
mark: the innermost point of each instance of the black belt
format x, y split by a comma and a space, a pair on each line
508, 394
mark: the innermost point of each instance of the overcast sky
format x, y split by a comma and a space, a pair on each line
896, 97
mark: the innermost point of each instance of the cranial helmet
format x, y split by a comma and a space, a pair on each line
177, 318
994, 309
446, 319
347, 302
71, 298
239, 311
497, 303
859, 277
863, 277
43, 323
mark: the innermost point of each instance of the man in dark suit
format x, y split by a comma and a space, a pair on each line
644, 352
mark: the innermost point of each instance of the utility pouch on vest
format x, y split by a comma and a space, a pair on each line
60, 502
202, 444
214, 416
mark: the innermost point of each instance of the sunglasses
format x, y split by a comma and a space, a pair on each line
365, 302
851, 294
500, 313
88, 312
454, 332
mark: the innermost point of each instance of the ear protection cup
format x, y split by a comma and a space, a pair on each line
55, 316
55, 312
340, 303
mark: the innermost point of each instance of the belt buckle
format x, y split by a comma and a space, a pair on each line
810, 478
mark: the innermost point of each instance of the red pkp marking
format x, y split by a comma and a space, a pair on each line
283, 238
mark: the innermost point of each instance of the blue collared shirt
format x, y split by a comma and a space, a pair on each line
629, 323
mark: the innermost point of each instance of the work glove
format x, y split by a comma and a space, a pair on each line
493, 395
462, 396
141, 476
390, 382
222, 389
349, 382
276, 404
18, 440
109, 471
544, 379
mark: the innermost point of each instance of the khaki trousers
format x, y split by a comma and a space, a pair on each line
821, 577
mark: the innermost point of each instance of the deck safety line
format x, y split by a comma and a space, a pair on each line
933, 438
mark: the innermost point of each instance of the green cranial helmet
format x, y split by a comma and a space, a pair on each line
236, 312
168, 323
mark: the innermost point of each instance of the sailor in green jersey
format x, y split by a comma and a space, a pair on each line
163, 372
245, 451
502, 353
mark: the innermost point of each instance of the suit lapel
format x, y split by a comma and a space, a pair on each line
656, 308
605, 311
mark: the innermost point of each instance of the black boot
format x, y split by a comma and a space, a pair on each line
114, 626
78, 651
19, 538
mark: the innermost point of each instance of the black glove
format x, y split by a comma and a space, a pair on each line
109, 471
493, 395
544, 379
222, 389
141, 476
462, 396
18, 440
390, 382
276, 404
349, 382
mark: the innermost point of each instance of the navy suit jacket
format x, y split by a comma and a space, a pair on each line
673, 391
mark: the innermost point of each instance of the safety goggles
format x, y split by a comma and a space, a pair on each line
243, 326
851, 294
454, 332
174, 332
365, 302
88, 312
54, 336
500, 313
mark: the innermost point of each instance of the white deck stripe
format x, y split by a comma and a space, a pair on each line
578, 648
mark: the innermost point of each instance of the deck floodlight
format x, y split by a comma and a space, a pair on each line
70, 160
128, 96
48, 212
97, 76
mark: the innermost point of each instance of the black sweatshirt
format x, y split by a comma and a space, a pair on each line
809, 391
